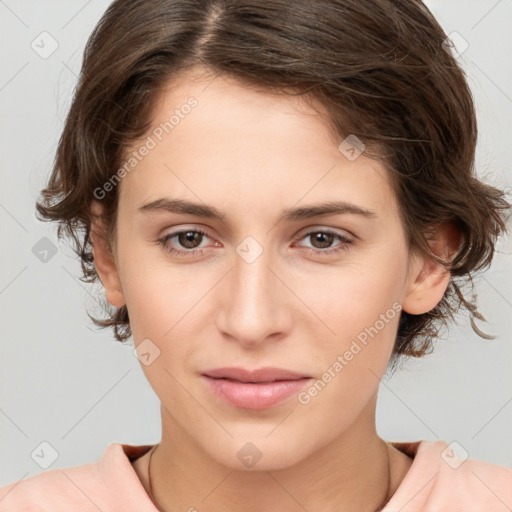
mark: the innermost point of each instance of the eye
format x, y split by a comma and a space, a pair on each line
322, 240
187, 241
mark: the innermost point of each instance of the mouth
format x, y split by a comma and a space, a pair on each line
267, 374
256, 389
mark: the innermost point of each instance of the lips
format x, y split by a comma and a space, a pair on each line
254, 389
267, 374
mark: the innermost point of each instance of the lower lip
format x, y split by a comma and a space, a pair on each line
254, 395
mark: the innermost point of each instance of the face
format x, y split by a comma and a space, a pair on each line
271, 282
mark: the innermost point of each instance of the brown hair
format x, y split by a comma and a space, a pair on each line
381, 69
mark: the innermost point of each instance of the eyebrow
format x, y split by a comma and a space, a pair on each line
290, 214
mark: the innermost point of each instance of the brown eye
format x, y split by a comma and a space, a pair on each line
189, 239
325, 242
321, 239
184, 242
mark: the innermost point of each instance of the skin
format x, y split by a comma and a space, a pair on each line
251, 154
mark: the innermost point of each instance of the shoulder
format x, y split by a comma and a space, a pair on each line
90, 487
444, 477
474, 483
54, 490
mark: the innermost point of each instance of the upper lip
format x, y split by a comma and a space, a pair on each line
267, 374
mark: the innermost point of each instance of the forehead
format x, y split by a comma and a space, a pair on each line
213, 138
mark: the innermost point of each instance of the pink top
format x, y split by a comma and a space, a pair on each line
437, 481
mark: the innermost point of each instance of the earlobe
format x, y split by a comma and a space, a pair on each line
428, 279
104, 260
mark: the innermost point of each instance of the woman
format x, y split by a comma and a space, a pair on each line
280, 200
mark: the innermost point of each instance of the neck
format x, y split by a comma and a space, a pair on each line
351, 473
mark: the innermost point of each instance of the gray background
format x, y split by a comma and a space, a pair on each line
64, 383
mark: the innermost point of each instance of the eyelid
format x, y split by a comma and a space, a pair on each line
175, 230
343, 233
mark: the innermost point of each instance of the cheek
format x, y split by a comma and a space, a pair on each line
160, 302
348, 298
357, 310
157, 294
166, 306
364, 317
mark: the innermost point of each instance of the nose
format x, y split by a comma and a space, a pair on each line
255, 304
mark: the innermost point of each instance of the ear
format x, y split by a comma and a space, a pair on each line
104, 259
427, 279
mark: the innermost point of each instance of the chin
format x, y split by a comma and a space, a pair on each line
260, 452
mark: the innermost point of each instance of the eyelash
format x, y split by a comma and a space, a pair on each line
343, 246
